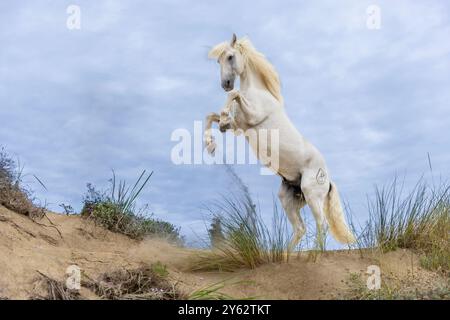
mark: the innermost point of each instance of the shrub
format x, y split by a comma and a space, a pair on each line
117, 211
12, 194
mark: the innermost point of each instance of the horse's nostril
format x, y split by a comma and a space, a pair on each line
227, 84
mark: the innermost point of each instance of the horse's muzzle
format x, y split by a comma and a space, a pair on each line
228, 85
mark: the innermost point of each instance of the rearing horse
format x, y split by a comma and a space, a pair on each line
259, 105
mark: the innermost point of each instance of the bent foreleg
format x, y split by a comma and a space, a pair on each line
208, 138
226, 120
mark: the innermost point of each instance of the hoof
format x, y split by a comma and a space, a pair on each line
224, 127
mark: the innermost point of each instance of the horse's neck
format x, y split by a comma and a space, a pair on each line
250, 79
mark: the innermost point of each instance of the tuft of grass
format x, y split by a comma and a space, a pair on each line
245, 241
12, 193
117, 211
137, 284
418, 220
160, 269
212, 292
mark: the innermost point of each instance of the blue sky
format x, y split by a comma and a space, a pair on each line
76, 103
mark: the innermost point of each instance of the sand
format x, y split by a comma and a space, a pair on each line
52, 245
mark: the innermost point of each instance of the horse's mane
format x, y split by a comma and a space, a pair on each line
255, 60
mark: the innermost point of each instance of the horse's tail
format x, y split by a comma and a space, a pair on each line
335, 217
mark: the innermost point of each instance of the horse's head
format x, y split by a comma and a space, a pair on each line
231, 64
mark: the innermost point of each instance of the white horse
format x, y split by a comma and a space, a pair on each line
259, 105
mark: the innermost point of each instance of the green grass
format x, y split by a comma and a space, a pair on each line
117, 210
213, 292
160, 269
246, 241
417, 220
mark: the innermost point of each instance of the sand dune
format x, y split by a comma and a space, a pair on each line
53, 244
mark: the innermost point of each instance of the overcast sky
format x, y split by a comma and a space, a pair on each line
76, 103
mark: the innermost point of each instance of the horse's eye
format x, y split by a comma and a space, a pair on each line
230, 58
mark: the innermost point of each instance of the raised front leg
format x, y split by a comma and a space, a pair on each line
226, 120
208, 138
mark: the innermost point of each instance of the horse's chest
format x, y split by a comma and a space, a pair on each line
240, 120
255, 104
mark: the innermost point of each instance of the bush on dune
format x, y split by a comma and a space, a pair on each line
13, 195
116, 210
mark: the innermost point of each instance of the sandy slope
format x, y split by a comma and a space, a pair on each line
27, 247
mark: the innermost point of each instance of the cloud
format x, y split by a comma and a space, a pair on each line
165, 85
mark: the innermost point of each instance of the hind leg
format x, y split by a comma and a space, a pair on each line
315, 193
292, 204
316, 206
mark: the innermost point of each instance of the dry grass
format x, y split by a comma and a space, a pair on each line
138, 284
55, 290
145, 283
12, 194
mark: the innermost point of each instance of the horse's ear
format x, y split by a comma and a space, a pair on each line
233, 40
